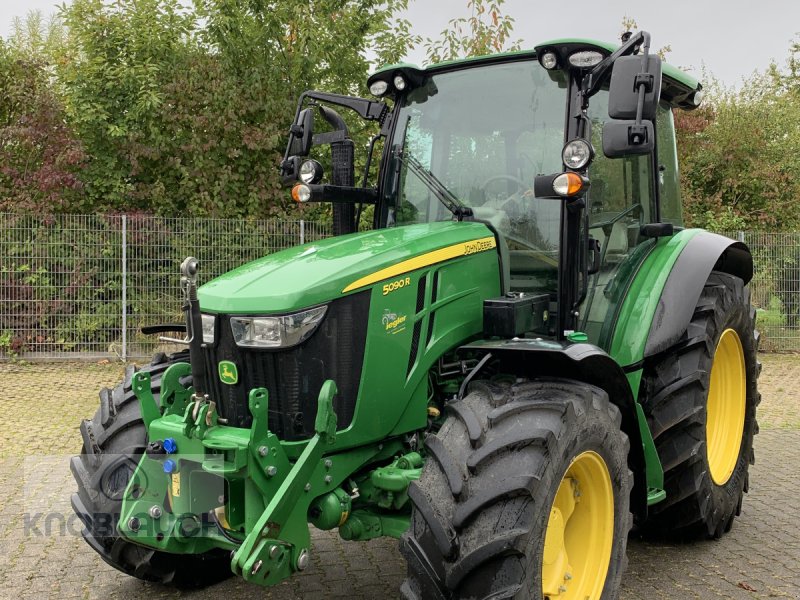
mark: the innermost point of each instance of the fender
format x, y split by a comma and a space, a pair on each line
661, 299
582, 362
704, 253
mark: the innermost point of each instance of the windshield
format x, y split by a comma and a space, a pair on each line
484, 133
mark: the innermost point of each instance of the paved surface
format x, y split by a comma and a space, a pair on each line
760, 558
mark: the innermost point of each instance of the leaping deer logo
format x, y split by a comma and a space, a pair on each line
228, 372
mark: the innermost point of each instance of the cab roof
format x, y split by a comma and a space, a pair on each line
676, 84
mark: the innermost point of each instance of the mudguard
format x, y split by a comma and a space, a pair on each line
705, 252
664, 292
582, 362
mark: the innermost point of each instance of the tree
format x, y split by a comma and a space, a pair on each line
184, 109
485, 31
40, 156
739, 155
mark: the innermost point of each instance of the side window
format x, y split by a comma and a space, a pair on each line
621, 198
416, 201
618, 184
668, 176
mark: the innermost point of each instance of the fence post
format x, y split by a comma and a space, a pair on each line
302, 231
740, 236
124, 288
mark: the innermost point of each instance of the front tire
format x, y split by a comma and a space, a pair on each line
113, 442
700, 400
525, 494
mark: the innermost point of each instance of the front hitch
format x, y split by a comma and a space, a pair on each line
280, 541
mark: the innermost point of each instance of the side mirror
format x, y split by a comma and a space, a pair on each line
626, 77
625, 138
301, 133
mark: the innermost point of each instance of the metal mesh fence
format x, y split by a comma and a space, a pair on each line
65, 279
775, 288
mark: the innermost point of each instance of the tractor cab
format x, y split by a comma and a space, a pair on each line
537, 146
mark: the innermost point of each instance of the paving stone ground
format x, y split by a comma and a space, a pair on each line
760, 558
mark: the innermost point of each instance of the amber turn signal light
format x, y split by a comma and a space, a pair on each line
301, 193
568, 184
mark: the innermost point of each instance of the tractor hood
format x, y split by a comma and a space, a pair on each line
318, 272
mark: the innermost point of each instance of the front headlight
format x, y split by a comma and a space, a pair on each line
278, 331
209, 322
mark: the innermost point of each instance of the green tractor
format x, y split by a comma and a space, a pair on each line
526, 354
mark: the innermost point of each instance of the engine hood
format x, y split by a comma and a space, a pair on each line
318, 272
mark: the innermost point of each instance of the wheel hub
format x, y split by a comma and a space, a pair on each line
726, 406
580, 532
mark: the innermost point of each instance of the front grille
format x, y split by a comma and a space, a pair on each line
293, 377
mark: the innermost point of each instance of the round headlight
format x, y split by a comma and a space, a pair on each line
697, 98
310, 171
577, 154
549, 60
301, 193
378, 88
399, 83
585, 58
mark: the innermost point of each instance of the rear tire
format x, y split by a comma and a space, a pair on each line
704, 485
113, 441
483, 504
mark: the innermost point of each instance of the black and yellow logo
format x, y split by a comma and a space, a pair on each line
228, 373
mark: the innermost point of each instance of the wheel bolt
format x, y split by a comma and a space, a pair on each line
155, 511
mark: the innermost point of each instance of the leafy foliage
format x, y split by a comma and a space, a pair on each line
167, 107
487, 30
40, 156
740, 154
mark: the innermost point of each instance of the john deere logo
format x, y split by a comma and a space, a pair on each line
228, 373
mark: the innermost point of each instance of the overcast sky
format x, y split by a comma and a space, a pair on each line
731, 37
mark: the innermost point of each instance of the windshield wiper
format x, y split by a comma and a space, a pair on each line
433, 183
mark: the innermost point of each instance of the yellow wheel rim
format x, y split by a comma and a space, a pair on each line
725, 407
580, 532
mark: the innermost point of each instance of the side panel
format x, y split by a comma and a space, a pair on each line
413, 319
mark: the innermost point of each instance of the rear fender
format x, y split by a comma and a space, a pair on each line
587, 363
704, 253
661, 299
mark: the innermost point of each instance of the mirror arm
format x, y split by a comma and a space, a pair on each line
593, 80
366, 109
644, 84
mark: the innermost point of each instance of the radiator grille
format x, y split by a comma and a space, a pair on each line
293, 377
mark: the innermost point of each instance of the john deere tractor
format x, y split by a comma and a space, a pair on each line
523, 357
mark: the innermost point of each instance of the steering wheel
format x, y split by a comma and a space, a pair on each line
502, 177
